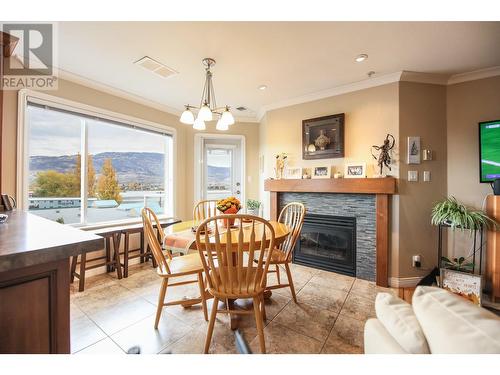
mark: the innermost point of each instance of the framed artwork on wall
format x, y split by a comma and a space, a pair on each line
323, 137
355, 170
293, 173
413, 150
321, 172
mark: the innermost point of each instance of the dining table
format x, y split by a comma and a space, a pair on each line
180, 239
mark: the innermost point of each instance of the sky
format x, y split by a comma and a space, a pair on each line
55, 134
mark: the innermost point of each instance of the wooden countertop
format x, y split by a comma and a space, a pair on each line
27, 240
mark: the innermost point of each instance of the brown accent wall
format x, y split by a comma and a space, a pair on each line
422, 112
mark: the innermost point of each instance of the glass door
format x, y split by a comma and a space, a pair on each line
222, 169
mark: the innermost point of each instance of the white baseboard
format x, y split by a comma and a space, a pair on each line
404, 282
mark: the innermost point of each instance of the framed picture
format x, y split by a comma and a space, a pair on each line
292, 173
413, 150
355, 170
464, 284
321, 172
323, 137
306, 173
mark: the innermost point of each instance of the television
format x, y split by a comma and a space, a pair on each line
489, 151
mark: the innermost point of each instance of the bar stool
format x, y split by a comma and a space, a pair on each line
111, 261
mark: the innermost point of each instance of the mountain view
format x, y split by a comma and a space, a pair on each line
145, 168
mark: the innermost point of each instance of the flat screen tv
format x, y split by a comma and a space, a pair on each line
489, 150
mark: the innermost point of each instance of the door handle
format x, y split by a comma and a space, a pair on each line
238, 184
238, 192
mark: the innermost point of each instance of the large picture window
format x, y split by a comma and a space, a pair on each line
86, 170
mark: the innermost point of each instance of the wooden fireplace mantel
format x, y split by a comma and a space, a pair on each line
381, 187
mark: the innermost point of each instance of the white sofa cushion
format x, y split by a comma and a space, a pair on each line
399, 320
452, 324
378, 340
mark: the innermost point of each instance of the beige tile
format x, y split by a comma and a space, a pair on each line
74, 311
122, 314
106, 346
347, 329
91, 283
273, 305
359, 307
102, 296
84, 332
312, 321
336, 345
333, 280
150, 340
281, 340
192, 315
174, 293
369, 289
327, 298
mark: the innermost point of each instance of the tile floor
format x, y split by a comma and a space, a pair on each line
112, 315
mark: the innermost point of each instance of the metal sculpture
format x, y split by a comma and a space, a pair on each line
384, 158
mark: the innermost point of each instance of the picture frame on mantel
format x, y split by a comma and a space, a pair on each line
323, 137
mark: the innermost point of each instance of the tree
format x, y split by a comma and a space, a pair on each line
90, 175
55, 184
107, 185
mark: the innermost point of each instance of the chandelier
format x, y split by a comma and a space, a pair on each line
208, 106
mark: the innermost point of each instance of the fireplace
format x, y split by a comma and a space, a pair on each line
328, 242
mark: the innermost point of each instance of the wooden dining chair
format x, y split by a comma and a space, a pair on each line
292, 215
227, 257
172, 267
205, 209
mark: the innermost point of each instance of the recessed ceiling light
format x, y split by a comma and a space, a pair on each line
361, 57
262, 87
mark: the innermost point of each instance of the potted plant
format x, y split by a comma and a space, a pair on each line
253, 207
229, 205
456, 215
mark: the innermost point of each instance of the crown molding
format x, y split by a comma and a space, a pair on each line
87, 82
339, 90
474, 75
431, 78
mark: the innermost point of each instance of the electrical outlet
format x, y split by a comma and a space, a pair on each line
416, 261
413, 176
427, 176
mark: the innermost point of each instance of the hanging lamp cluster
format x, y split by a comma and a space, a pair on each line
208, 110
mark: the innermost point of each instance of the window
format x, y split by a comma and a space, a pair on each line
87, 169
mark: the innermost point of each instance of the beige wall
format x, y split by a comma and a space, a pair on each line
185, 139
468, 103
370, 115
422, 112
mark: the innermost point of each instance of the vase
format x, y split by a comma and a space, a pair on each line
228, 223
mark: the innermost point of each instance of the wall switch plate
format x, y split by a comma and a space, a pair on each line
413, 176
416, 261
427, 176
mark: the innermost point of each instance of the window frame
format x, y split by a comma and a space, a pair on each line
22, 169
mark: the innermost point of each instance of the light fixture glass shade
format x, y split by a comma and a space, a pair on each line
199, 124
227, 117
221, 125
205, 113
187, 117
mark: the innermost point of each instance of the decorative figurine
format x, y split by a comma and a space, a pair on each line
280, 165
384, 158
322, 141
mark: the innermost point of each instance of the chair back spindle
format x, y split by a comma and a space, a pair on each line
228, 260
205, 209
148, 216
292, 215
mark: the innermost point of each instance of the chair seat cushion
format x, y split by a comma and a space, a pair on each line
399, 320
454, 325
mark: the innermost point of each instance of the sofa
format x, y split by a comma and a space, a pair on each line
437, 322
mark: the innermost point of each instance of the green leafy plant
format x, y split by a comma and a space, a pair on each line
457, 264
457, 215
60, 220
253, 204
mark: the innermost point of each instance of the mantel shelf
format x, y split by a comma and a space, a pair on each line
385, 185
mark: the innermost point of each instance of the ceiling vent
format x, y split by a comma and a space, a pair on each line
241, 108
156, 67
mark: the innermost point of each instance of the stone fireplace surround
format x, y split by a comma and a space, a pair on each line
359, 206
365, 198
